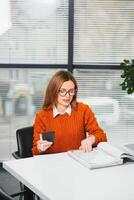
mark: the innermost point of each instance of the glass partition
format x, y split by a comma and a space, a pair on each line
21, 96
114, 108
39, 33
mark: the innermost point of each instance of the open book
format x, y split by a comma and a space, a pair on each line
104, 155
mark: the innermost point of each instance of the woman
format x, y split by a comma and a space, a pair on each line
74, 123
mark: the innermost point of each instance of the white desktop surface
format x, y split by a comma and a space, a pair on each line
59, 177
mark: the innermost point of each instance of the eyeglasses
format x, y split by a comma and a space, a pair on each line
63, 92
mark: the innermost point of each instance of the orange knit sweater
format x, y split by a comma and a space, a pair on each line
69, 129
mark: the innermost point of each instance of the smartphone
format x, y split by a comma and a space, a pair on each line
49, 136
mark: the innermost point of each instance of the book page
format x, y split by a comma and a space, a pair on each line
94, 159
129, 148
110, 149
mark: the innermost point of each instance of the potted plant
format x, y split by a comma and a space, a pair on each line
127, 75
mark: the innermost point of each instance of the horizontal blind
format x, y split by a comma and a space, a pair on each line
103, 31
38, 34
114, 108
21, 96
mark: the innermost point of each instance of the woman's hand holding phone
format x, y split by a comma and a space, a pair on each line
43, 145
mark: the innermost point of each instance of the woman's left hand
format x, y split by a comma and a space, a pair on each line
86, 144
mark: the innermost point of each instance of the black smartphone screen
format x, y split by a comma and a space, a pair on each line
49, 136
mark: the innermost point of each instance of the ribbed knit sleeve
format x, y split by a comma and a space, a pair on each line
92, 126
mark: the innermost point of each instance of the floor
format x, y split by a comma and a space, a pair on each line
9, 183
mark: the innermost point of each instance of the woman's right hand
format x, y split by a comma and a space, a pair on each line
43, 145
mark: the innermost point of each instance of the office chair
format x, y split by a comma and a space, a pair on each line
24, 138
5, 196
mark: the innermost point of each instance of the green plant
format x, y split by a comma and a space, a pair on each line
128, 75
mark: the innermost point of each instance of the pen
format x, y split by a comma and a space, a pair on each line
41, 144
41, 137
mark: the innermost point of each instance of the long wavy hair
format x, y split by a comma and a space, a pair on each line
55, 84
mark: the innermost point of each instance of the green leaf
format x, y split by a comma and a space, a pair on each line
128, 75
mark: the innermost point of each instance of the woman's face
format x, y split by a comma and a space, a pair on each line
66, 93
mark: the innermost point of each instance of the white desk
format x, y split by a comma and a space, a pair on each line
59, 177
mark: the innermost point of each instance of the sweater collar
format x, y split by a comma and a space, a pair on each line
56, 112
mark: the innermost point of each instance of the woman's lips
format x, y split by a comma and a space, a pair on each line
66, 100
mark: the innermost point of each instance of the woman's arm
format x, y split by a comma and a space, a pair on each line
39, 128
92, 127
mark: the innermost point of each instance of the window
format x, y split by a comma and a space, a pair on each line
101, 90
103, 31
19, 101
38, 34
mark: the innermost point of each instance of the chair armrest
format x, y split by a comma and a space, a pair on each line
16, 155
5, 194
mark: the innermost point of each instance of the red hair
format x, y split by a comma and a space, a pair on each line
55, 84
